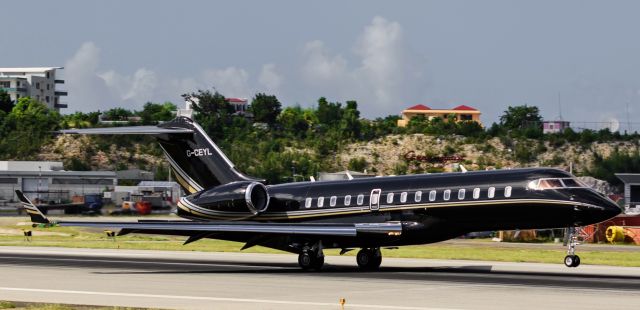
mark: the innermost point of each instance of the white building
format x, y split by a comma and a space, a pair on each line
47, 181
38, 83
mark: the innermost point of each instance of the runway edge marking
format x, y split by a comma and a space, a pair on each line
227, 299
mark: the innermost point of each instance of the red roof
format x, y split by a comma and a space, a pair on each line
419, 107
464, 108
236, 99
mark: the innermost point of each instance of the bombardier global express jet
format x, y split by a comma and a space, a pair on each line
366, 214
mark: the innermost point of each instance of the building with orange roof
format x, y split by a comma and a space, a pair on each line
460, 113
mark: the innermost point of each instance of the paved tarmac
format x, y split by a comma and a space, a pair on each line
195, 280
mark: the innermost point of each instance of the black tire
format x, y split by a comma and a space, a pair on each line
369, 259
319, 262
576, 261
570, 260
305, 260
309, 260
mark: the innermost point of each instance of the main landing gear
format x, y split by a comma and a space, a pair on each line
369, 259
311, 258
571, 238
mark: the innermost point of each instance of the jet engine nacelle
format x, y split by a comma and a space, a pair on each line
235, 197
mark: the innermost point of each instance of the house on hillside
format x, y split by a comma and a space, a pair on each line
460, 113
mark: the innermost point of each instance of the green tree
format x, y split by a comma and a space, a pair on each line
293, 121
6, 104
520, 117
152, 113
117, 114
328, 113
265, 108
213, 111
26, 128
350, 125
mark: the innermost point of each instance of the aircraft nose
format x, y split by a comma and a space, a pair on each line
609, 207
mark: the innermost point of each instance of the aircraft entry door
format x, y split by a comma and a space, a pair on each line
374, 200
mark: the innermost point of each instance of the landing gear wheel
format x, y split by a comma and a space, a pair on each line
309, 260
369, 259
572, 260
576, 261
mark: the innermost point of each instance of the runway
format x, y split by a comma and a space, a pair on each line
195, 280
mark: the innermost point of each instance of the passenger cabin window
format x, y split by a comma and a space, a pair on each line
320, 202
461, 193
507, 191
432, 196
347, 200
360, 199
390, 198
307, 203
446, 195
403, 197
476, 193
332, 201
418, 196
491, 192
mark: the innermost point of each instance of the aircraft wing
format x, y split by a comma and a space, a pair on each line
130, 130
328, 229
187, 227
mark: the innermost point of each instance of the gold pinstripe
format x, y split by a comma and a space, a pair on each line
183, 182
333, 212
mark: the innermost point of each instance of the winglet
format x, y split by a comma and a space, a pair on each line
36, 215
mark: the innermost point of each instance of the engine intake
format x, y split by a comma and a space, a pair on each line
235, 197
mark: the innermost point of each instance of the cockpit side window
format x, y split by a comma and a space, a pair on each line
552, 183
571, 183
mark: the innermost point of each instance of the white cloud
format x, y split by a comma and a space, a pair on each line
137, 88
91, 89
87, 91
382, 77
378, 74
269, 79
382, 59
320, 65
231, 82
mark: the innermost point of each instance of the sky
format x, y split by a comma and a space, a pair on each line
576, 59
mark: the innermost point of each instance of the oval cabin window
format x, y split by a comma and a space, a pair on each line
320, 202
360, 199
476, 193
307, 203
491, 192
418, 196
332, 201
432, 196
347, 200
403, 197
447, 195
507, 191
461, 194
390, 198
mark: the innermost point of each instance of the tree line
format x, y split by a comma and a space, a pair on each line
289, 143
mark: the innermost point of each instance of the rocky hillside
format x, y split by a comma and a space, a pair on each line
98, 153
417, 153
390, 155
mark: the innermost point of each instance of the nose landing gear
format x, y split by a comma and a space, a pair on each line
571, 240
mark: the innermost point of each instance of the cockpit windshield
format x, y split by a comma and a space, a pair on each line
554, 183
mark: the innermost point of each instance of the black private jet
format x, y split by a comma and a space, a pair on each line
367, 213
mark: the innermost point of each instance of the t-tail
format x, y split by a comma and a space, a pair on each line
36, 215
195, 160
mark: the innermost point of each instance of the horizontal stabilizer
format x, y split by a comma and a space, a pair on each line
130, 130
